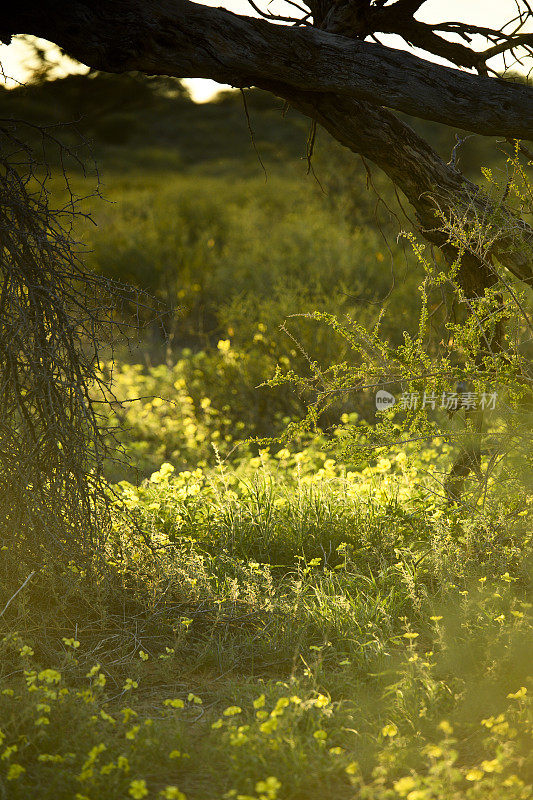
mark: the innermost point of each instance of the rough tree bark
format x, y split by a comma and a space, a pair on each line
187, 40
333, 79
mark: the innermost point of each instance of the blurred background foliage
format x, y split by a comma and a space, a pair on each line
374, 640
233, 233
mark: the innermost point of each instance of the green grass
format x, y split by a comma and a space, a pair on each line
335, 646
259, 623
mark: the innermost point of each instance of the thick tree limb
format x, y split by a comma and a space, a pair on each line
434, 188
181, 38
177, 37
431, 186
361, 18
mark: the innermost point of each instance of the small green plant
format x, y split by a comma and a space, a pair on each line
462, 379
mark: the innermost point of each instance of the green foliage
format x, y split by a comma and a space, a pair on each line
470, 345
152, 123
292, 621
283, 630
233, 255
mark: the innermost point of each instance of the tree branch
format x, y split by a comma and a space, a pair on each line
433, 187
422, 35
181, 38
408, 6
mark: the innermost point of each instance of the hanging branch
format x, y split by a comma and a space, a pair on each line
54, 319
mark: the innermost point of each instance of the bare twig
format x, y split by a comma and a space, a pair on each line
30, 576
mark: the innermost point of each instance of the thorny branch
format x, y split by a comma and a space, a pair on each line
359, 19
54, 319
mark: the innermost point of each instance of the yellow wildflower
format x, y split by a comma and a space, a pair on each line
15, 771
518, 694
232, 711
49, 676
404, 785
268, 788
138, 789
172, 793
445, 727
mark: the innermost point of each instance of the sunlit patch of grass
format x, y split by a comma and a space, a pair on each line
276, 630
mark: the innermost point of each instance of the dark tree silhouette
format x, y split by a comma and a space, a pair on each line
328, 64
